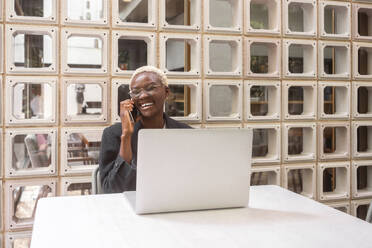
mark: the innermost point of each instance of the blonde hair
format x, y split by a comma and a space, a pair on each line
150, 68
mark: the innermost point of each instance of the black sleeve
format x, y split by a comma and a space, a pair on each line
116, 174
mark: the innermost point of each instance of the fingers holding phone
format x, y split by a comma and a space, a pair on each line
127, 122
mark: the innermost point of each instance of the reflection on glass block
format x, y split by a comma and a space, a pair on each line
334, 59
40, 8
179, 101
32, 50
329, 140
365, 61
296, 58
84, 52
123, 94
259, 58
260, 142
133, 11
342, 209
295, 141
25, 199
85, 10
296, 17
132, 54
221, 56
31, 151
221, 100
364, 139
32, 101
329, 100
329, 179
295, 100
259, 14
296, 180
263, 178
364, 22
84, 99
21, 243
259, 100
83, 149
364, 180
221, 13
79, 189
362, 211
178, 55
364, 100
178, 12
335, 18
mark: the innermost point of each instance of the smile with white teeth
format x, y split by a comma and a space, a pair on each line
145, 105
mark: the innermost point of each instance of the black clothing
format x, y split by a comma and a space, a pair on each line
116, 174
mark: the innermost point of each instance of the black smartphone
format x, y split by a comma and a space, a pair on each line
123, 94
134, 113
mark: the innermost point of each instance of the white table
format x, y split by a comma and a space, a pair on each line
275, 218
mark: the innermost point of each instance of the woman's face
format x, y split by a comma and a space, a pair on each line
149, 94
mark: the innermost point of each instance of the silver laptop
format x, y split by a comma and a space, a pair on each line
191, 169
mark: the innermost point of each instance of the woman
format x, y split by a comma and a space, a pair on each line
118, 156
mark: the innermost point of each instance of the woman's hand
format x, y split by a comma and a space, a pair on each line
126, 123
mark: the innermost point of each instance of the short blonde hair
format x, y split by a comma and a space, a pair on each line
150, 68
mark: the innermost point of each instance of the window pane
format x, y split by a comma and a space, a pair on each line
31, 151
79, 189
259, 16
21, 243
37, 8
329, 179
178, 54
32, 101
260, 142
132, 54
221, 13
329, 100
177, 12
25, 199
259, 100
32, 51
83, 148
295, 141
364, 100
221, 56
259, 58
296, 180
362, 211
295, 100
295, 17
134, 11
263, 178
84, 99
221, 99
85, 10
84, 52
296, 59
178, 102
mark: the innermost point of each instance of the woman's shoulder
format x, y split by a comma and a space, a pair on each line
114, 129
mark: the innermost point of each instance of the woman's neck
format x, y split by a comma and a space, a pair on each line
153, 122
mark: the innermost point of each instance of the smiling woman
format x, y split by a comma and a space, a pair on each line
118, 156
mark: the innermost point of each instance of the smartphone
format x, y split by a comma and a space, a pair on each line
134, 113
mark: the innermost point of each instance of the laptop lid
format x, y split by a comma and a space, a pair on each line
192, 169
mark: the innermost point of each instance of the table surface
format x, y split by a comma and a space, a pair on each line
275, 217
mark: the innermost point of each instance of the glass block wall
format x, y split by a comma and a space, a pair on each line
296, 72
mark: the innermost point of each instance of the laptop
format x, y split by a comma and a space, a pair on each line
191, 169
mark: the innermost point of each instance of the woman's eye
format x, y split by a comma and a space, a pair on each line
150, 88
